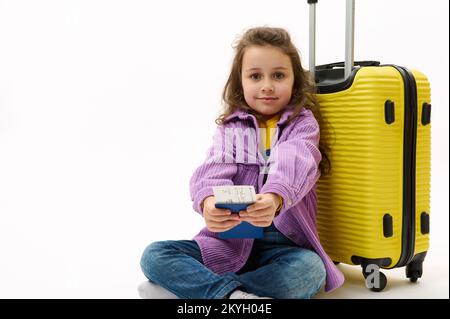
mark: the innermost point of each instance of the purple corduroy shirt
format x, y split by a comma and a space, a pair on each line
293, 170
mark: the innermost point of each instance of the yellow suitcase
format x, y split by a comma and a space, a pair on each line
374, 206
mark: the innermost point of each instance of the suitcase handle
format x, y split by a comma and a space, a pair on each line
342, 64
349, 37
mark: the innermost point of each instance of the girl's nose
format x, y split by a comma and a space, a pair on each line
267, 87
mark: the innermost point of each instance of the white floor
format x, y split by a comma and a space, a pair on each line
106, 265
98, 281
93, 264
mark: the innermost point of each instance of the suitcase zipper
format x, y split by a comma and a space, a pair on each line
409, 167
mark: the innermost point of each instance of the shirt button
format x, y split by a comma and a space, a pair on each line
289, 202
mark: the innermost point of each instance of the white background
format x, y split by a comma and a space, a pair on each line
107, 107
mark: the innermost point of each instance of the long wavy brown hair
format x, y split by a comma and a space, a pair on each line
303, 90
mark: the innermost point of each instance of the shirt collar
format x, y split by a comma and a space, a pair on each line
245, 115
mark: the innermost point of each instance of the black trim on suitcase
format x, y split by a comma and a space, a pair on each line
426, 113
364, 262
331, 80
387, 226
424, 223
409, 167
389, 112
330, 77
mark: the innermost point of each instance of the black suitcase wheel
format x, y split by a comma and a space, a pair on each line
383, 283
413, 278
414, 270
373, 283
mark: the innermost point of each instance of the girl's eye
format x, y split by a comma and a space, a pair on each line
278, 76
257, 76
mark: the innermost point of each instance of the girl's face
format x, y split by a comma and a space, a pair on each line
267, 79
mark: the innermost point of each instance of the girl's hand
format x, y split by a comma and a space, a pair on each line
218, 219
262, 212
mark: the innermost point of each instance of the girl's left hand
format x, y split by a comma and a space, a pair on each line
262, 212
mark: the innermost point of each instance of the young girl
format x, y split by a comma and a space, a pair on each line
268, 93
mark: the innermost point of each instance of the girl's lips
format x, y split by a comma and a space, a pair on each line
267, 98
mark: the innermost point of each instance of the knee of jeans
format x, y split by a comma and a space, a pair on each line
151, 259
316, 273
321, 275
307, 276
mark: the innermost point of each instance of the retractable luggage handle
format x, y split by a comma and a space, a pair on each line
349, 37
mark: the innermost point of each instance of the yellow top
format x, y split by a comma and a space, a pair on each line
267, 131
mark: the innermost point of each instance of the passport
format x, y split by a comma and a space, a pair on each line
237, 198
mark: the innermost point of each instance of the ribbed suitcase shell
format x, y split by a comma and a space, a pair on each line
366, 179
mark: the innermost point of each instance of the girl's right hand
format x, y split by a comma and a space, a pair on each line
218, 219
